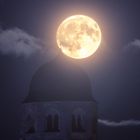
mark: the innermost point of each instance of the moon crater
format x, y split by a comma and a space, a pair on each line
78, 36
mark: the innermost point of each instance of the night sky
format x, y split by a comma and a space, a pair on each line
27, 40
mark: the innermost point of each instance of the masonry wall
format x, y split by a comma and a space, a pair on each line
34, 114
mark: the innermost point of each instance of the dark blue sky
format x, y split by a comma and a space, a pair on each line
114, 70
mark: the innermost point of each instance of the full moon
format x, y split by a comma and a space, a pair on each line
78, 36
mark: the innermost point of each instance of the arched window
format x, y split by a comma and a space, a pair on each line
74, 126
52, 123
48, 123
79, 124
56, 123
30, 125
94, 125
77, 121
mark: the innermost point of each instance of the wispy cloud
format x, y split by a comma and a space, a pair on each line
18, 42
133, 47
119, 124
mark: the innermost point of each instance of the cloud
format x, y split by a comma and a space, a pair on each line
18, 42
119, 124
133, 47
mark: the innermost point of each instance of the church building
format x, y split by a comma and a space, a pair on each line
59, 105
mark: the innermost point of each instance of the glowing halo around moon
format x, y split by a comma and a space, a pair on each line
78, 36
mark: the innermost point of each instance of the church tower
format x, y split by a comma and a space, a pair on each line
59, 105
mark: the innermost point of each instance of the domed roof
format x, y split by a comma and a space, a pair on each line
60, 81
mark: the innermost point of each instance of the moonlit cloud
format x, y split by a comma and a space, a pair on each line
119, 124
133, 46
19, 43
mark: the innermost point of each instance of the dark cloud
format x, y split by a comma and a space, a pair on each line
119, 124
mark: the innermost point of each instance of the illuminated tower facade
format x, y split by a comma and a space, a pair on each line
59, 105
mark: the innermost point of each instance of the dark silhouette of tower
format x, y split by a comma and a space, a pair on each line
59, 105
